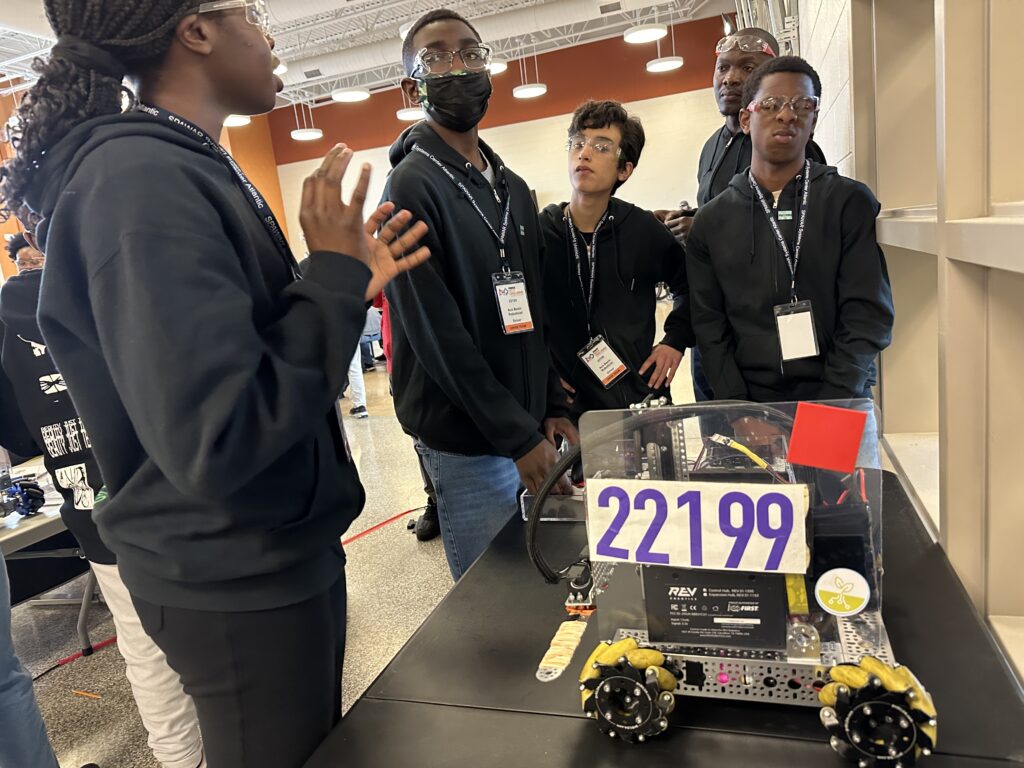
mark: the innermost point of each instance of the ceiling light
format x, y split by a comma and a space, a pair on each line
645, 33
351, 95
529, 91
237, 121
403, 31
410, 114
497, 66
665, 64
307, 134
281, 68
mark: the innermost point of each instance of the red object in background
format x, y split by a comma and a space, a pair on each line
826, 437
385, 331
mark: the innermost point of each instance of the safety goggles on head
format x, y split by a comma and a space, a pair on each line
256, 11
577, 144
434, 63
745, 43
802, 106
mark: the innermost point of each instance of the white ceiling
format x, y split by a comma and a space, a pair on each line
330, 44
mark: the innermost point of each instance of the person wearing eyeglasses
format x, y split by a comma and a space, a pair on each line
204, 367
727, 151
603, 258
789, 289
472, 378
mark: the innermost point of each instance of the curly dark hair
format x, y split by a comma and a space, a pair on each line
600, 114
15, 244
441, 14
134, 33
792, 64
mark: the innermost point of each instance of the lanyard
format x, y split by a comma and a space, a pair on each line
793, 260
588, 296
721, 161
499, 237
252, 195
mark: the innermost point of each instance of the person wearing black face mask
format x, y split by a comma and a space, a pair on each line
472, 378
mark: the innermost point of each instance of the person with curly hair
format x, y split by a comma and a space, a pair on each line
203, 365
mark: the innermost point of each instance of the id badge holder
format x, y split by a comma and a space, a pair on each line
795, 325
602, 361
513, 302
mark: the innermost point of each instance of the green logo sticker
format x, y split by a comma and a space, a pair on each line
842, 592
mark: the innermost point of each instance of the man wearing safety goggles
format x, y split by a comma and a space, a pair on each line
728, 150
472, 378
789, 291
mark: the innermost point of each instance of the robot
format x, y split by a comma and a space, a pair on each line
722, 564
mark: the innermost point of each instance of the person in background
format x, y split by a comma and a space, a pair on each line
356, 387
42, 401
789, 288
603, 259
371, 333
472, 379
728, 150
206, 373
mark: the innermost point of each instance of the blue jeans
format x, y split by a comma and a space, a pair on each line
476, 496
23, 740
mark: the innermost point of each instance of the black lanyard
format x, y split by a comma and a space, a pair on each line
793, 260
499, 237
252, 195
718, 165
588, 296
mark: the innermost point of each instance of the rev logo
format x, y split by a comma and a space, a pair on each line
682, 591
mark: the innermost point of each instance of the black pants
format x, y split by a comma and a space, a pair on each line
266, 684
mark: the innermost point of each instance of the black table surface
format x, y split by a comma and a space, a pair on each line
463, 692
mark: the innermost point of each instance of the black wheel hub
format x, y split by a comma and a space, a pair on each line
628, 703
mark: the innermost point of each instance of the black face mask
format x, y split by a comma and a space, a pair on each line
458, 102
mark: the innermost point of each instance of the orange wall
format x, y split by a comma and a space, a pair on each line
253, 149
10, 226
609, 69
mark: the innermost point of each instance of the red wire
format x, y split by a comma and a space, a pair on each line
79, 654
371, 529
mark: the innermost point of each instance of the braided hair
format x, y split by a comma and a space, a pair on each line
98, 43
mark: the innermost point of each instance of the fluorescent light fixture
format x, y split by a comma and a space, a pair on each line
529, 90
665, 64
351, 95
645, 33
281, 69
410, 114
307, 134
497, 66
237, 121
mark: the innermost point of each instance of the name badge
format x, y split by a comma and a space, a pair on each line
602, 361
795, 324
513, 303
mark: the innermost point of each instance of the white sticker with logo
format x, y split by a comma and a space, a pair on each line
842, 592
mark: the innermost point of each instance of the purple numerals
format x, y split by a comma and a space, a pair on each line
780, 534
692, 498
643, 552
741, 532
604, 546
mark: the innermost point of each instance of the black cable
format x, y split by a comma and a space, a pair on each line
533, 518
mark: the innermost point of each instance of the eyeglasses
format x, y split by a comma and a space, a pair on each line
600, 146
746, 43
256, 11
433, 63
802, 106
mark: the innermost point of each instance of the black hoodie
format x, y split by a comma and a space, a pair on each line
460, 384
635, 252
738, 273
42, 400
204, 372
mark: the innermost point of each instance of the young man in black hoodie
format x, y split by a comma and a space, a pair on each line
205, 371
728, 150
41, 399
471, 374
603, 259
789, 290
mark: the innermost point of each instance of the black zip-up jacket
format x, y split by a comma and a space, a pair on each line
42, 399
634, 253
460, 384
724, 155
738, 273
204, 372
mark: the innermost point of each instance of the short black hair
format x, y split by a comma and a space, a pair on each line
441, 14
600, 114
792, 64
16, 244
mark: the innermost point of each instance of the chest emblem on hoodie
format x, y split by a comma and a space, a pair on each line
52, 384
38, 350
